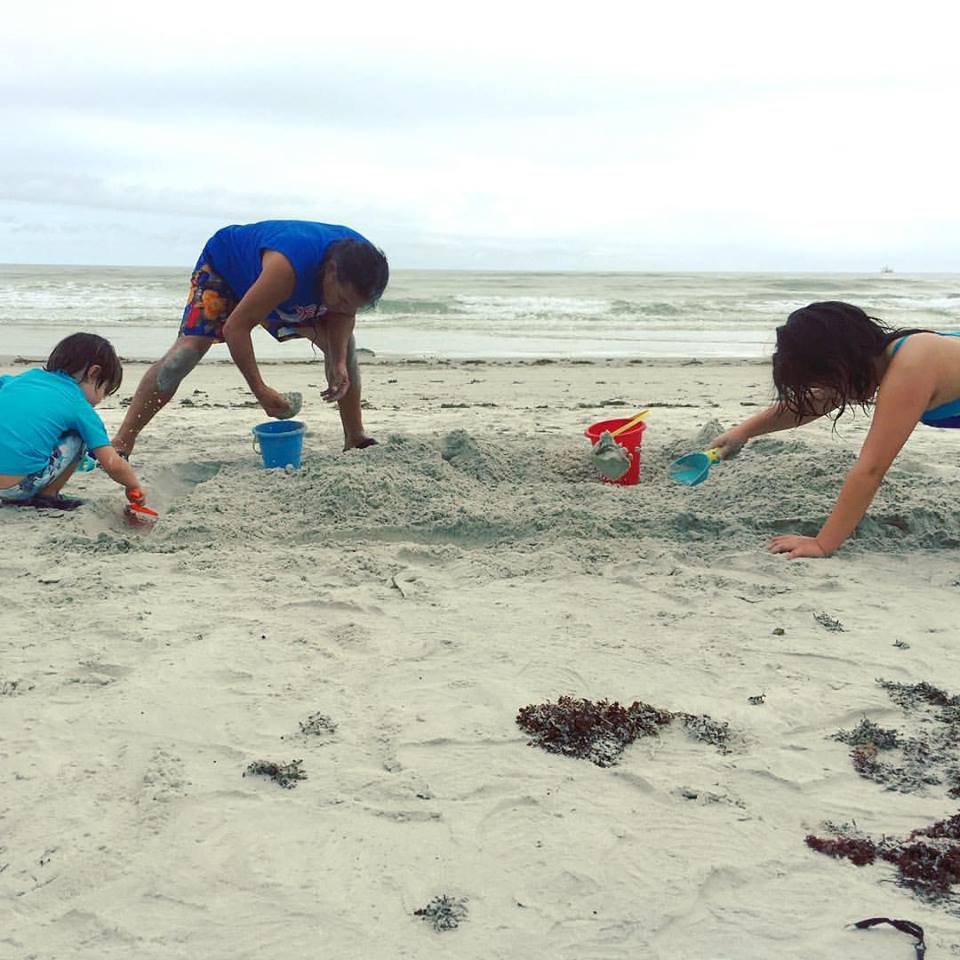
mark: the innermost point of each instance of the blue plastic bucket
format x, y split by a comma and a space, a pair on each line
279, 442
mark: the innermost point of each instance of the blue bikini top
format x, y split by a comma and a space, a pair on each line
947, 414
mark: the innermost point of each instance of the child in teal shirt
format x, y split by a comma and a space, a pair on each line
48, 422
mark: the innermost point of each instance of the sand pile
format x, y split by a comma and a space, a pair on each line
472, 491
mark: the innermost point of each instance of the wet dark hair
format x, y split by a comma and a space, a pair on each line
833, 347
360, 264
77, 353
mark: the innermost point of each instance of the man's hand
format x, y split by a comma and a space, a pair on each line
274, 404
274, 285
795, 547
338, 382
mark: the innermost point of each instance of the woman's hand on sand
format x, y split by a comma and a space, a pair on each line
338, 383
729, 443
274, 404
795, 547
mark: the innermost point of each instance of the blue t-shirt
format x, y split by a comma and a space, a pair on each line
36, 409
235, 252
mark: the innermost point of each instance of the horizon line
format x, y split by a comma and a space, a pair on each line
532, 270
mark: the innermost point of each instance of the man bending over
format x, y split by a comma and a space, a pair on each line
295, 278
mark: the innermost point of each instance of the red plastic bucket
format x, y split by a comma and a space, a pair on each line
630, 441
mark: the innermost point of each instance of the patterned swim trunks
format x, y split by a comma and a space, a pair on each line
211, 301
68, 451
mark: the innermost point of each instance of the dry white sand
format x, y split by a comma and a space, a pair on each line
418, 594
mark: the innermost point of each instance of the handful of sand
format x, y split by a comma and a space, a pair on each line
609, 457
295, 401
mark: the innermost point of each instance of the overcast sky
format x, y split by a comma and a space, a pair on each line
801, 135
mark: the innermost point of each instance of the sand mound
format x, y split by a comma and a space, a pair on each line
476, 491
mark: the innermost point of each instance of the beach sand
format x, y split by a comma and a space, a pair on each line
402, 603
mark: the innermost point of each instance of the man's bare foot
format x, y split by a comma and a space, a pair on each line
360, 444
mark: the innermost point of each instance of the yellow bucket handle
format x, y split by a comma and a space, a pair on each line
629, 424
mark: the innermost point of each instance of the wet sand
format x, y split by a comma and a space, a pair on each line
382, 615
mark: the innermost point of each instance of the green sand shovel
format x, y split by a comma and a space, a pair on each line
694, 467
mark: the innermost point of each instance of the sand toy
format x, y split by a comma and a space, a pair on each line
616, 448
280, 442
609, 457
136, 510
694, 467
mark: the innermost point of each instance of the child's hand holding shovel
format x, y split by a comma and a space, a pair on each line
137, 508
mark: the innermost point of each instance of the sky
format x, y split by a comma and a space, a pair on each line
527, 136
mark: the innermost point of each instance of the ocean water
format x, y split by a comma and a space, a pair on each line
462, 314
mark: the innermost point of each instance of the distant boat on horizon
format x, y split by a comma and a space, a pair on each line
886, 268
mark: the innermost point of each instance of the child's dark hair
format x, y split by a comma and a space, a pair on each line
77, 353
833, 347
360, 264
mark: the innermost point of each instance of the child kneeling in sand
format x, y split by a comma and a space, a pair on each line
47, 423
831, 356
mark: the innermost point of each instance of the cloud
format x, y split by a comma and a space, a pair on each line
707, 132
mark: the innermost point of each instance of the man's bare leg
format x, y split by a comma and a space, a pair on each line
158, 386
351, 414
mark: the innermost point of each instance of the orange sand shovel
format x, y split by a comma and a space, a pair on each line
136, 510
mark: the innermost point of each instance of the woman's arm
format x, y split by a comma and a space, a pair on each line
776, 417
905, 392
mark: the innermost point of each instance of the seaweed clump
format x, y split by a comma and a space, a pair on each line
868, 732
858, 851
318, 724
443, 913
909, 696
705, 729
285, 774
828, 622
596, 731
927, 861
930, 758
